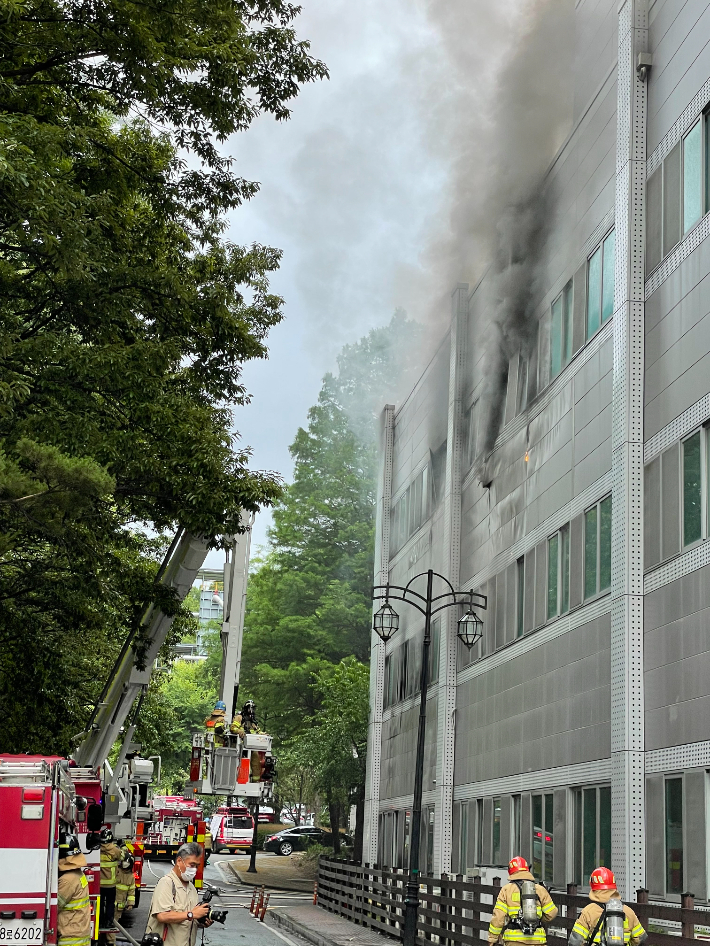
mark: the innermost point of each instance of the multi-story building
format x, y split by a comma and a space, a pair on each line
578, 731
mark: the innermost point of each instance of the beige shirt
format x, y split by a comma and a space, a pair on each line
171, 893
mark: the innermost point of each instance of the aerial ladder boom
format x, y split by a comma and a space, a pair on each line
185, 558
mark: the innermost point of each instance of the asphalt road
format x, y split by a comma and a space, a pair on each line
239, 928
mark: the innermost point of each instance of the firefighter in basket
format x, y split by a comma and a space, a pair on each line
125, 884
523, 909
216, 722
74, 908
242, 724
606, 919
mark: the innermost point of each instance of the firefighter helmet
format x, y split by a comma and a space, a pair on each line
106, 835
249, 709
602, 879
68, 845
220, 706
127, 859
517, 864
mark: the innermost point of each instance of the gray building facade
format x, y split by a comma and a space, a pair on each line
578, 731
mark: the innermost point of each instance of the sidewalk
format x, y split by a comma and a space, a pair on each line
276, 873
322, 928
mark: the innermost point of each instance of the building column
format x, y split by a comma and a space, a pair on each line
627, 699
446, 696
377, 648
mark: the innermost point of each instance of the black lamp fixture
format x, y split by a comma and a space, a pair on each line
470, 628
385, 622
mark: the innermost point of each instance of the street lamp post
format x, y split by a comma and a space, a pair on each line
386, 623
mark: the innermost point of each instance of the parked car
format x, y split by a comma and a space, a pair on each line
298, 839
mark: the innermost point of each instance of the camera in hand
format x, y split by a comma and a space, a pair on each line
217, 916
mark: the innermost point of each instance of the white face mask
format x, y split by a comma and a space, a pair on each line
189, 873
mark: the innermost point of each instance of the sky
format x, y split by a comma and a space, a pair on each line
349, 191
373, 189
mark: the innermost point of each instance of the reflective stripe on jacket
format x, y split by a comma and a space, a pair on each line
74, 909
110, 859
504, 921
125, 889
634, 933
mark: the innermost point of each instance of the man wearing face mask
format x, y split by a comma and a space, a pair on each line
174, 909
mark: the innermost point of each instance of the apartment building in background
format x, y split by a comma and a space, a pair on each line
577, 732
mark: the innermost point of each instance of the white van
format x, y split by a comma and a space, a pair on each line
231, 831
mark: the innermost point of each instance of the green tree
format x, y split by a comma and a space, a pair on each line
334, 744
125, 318
309, 596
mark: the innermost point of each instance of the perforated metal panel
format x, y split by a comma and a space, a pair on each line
627, 707
446, 740
688, 756
377, 649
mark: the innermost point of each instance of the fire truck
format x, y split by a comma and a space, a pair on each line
174, 820
41, 796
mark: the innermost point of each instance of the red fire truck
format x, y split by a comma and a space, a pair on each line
174, 818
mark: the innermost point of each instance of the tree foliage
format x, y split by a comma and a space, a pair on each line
125, 317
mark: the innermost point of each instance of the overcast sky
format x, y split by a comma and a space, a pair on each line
356, 190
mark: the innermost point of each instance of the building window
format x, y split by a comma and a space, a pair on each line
674, 835
517, 837
429, 836
495, 853
411, 510
434, 651
470, 433
542, 841
558, 573
561, 331
692, 177
521, 400
692, 490
438, 473
520, 602
600, 284
597, 548
675, 201
463, 838
479, 831
592, 831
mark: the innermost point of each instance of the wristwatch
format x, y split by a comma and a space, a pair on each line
189, 915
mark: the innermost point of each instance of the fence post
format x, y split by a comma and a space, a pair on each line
444, 908
476, 911
458, 895
687, 903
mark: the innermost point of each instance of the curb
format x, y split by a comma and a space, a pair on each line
286, 923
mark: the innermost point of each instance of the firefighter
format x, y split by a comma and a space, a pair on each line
110, 860
216, 723
523, 909
125, 884
74, 907
606, 919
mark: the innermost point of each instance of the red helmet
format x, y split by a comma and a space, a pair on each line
517, 864
602, 879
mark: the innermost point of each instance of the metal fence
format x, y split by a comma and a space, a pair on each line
455, 911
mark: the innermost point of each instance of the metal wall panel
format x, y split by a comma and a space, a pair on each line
652, 513
695, 833
559, 838
579, 311
655, 843
540, 583
529, 615
670, 501
576, 561
526, 826
472, 828
487, 830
